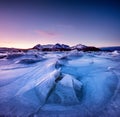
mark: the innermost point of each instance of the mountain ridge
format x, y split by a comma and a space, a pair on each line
58, 47
64, 47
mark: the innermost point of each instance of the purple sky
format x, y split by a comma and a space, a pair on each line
25, 23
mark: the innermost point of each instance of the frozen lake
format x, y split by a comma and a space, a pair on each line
60, 84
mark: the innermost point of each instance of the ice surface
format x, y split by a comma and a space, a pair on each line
65, 91
65, 84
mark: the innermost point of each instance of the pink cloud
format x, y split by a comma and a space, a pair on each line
46, 34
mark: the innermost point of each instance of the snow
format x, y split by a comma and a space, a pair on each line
65, 84
115, 53
48, 46
79, 46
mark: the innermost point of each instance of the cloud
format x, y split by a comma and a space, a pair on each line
46, 34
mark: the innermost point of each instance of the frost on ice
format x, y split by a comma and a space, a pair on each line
67, 84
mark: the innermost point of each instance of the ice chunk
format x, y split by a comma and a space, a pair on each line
45, 86
65, 91
115, 53
75, 53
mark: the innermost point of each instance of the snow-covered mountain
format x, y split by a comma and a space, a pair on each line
63, 47
79, 46
38, 47
52, 47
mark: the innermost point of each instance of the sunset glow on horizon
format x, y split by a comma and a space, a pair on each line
23, 24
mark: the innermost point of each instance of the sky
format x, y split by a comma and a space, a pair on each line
25, 23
